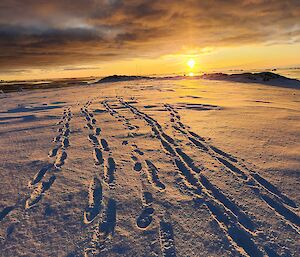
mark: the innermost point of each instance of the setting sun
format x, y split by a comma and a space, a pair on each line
191, 63
145, 123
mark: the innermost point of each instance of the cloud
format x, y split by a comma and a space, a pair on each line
80, 68
78, 32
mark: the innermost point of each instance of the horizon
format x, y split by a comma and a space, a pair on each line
187, 74
100, 38
150, 128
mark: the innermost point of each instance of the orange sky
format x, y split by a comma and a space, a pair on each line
209, 60
56, 39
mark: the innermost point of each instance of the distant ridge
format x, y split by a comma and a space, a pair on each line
118, 78
268, 78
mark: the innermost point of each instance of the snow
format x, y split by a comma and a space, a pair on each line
150, 168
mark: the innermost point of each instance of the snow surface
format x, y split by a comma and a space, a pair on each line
150, 168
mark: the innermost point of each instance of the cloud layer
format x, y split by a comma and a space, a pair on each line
66, 32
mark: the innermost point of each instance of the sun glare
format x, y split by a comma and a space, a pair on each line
191, 74
191, 63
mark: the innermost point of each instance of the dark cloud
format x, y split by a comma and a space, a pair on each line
66, 32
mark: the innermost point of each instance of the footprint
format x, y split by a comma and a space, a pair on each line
57, 139
153, 176
104, 144
66, 133
166, 239
89, 126
95, 201
109, 171
98, 157
97, 131
232, 168
137, 166
145, 218
37, 194
10, 230
107, 226
37, 178
6, 211
65, 143
53, 152
93, 139
60, 159
147, 198
138, 151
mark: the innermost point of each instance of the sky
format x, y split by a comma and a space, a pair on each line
76, 38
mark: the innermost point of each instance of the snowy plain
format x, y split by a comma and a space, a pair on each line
150, 168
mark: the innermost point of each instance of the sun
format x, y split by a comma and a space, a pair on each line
191, 63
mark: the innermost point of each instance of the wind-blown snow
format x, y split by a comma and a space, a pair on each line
150, 168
